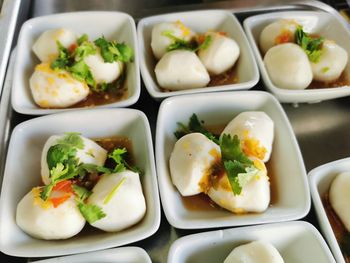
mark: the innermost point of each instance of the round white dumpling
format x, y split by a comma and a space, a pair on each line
339, 196
255, 129
288, 66
181, 69
254, 197
121, 199
332, 62
103, 72
41, 219
160, 41
56, 88
92, 153
279, 32
221, 54
255, 252
190, 161
45, 47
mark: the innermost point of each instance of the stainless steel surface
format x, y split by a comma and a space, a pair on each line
8, 17
321, 128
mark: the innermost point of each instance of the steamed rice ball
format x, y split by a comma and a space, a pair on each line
180, 70
279, 32
190, 161
56, 88
46, 48
120, 197
255, 252
160, 41
41, 219
288, 66
331, 63
221, 54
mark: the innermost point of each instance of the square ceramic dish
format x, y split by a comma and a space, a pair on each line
319, 23
218, 109
116, 255
25, 147
320, 182
295, 241
199, 22
113, 25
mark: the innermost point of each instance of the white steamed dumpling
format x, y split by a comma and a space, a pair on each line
56, 88
288, 66
255, 129
190, 161
254, 197
255, 252
45, 47
160, 42
278, 32
339, 196
42, 220
120, 197
332, 62
181, 69
103, 72
221, 54
92, 153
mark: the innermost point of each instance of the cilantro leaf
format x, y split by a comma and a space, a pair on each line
231, 150
206, 43
178, 43
112, 51
233, 168
118, 156
84, 168
91, 212
72, 139
312, 46
194, 125
81, 72
81, 192
84, 50
59, 153
63, 57
82, 39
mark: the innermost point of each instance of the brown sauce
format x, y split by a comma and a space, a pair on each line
343, 80
202, 202
340, 232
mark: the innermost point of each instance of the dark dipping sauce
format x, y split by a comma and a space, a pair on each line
343, 80
339, 230
202, 202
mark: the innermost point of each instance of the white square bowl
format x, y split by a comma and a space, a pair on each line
295, 241
320, 23
113, 25
218, 109
22, 172
320, 181
199, 22
115, 255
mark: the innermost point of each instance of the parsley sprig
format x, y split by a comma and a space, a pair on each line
112, 51
239, 168
312, 46
179, 43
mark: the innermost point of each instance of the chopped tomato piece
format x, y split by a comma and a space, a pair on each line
64, 186
56, 201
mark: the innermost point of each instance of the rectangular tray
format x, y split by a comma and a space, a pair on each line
321, 139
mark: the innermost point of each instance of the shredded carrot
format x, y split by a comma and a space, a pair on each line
284, 37
201, 39
222, 33
56, 201
64, 186
72, 47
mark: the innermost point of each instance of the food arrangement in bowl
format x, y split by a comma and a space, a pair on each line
193, 52
228, 167
83, 181
76, 60
188, 60
330, 184
77, 72
302, 55
211, 161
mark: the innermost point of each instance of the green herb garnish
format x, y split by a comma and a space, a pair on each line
312, 46
192, 45
112, 51
114, 191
